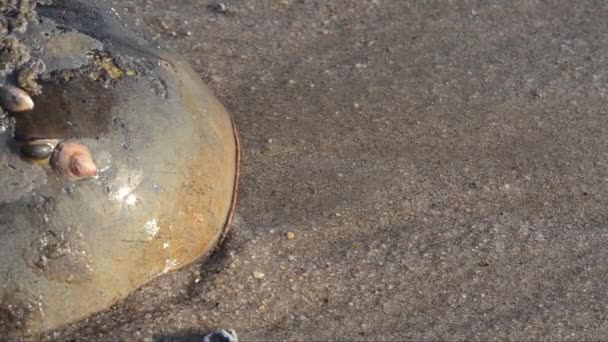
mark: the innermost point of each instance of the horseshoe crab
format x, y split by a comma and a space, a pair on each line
117, 163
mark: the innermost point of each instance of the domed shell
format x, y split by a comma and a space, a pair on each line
166, 154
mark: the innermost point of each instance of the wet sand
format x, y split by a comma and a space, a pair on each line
442, 165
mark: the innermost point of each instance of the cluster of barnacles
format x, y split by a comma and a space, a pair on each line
18, 74
70, 158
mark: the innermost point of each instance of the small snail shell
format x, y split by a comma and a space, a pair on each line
15, 99
73, 161
36, 150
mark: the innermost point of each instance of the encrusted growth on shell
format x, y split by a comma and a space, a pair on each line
19, 71
16, 64
16, 312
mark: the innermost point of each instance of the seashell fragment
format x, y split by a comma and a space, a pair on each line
15, 99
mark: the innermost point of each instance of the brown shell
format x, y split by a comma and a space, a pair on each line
167, 155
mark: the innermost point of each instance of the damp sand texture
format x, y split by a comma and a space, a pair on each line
442, 165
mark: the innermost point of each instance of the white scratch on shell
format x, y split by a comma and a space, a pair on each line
131, 199
170, 264
151, 227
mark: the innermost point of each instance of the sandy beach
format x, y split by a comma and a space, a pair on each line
412, 170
